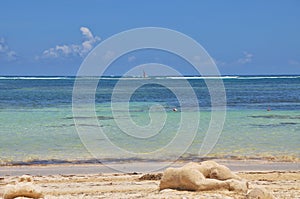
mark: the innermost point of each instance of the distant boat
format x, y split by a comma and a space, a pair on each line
144, 74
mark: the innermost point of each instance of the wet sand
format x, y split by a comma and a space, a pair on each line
99, 181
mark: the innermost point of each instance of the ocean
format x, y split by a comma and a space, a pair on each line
38, 125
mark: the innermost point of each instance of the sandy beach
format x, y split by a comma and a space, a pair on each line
282, 179
149, 99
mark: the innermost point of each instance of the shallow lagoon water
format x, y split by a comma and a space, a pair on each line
37, 123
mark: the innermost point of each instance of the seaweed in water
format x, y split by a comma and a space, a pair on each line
274, 125
98, 117
275, 116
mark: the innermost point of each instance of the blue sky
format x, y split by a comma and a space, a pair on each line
243, 37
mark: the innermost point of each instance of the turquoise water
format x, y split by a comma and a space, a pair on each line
37, 123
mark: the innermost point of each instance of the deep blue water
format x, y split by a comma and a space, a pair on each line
278, 93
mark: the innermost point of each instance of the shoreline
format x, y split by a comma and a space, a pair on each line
140, 167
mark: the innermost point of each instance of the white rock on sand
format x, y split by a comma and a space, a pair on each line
207, 175
23, 188
259, 193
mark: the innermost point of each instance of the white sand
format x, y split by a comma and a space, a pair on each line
92, 182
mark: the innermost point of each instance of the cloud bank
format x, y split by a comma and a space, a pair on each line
246, 59
5, 52
294, 62
131, 58
89, 41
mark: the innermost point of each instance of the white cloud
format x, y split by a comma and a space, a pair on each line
87, 33
109, 55
131, 58
73, 49
294, 62
5, 52
219, 62
197, 58
246, 59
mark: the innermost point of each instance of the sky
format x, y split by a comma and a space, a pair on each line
243, 37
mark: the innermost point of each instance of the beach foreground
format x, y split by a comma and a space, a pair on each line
93, 184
